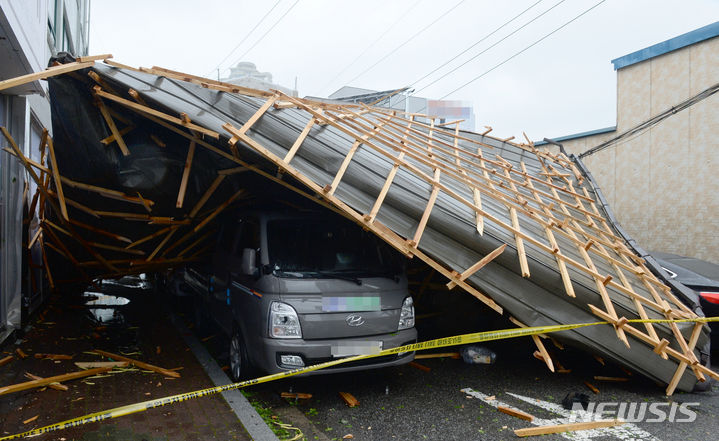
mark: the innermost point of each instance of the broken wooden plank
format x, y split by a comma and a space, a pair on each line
520, 243
139, 364
42, 75
479, 265
6, 360
296, 395
300, 139
113, 127
55, 379
613, 379
349, 399
97, 364
86, 58
185, 175
56, 386
515, 413
30, 420
682, 366
150, 111
56, 177
591, 387
454, 355
210, 190
54, 356
20, 353
427, 211
570, 427
421, 367
100, 231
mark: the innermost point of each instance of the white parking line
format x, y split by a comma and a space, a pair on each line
625, 432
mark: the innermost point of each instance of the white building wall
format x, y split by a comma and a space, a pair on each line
32, 31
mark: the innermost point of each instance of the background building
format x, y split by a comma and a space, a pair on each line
402, 99
31, 31
245, 74
658, 166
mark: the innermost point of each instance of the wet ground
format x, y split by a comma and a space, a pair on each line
125, 318
446, 402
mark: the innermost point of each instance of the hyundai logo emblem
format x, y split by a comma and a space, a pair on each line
354, 320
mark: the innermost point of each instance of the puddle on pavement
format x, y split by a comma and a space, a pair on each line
103, 307
134, 282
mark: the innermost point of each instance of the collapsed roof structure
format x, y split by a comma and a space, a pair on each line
524, 231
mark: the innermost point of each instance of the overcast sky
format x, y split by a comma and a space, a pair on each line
562, 85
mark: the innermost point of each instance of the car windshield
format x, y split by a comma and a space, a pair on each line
321, 248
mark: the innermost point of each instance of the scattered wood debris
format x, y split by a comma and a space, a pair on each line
139, 364
30, 420
54, 356
591, 387
349, 399
6, 360
20, 353
421, 367
454, 355
296, 395
515, 413
614, 379
599, 359
56, 379
559, 428
56, 386
97, 364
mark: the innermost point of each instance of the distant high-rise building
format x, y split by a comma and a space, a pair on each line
245, 74
31, 31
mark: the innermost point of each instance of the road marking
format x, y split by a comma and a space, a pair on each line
625, 432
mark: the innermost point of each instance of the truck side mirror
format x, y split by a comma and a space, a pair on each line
249, 257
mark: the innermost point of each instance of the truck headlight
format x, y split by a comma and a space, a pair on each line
284, 322
406, 315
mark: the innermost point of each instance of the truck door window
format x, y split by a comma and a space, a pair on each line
249, 236
317, 247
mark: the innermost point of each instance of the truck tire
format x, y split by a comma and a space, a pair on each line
240, 368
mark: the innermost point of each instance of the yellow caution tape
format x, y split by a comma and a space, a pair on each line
421, 346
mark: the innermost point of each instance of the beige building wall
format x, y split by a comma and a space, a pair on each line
663, 184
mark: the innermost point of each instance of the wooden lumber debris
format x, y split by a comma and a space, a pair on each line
571, 427
454, 355
516, 413
30, 420
97, 364
421, 367
591, 387
6, 360
56, 386
612, 379
20, 353
349, 399
139, 364
54, 356
55, 379
296, 395
45, 74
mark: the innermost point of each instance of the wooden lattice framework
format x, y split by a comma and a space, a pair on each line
550, 199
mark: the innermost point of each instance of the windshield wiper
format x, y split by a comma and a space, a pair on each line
336, 275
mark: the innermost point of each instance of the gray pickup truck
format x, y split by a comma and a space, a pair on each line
293, 290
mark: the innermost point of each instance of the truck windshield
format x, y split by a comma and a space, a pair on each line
320, 248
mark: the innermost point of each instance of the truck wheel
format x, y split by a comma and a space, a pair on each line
239, 364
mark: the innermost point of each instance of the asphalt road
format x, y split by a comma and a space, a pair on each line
449, 402
409, 403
